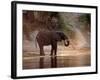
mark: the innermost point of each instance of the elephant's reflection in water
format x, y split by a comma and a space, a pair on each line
53, 62
41, 62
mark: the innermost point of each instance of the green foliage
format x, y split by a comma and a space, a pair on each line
62, 24
85, 18
65, 26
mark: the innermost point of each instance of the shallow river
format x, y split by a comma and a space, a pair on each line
71, 59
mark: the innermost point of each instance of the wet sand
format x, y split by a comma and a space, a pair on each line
69, 58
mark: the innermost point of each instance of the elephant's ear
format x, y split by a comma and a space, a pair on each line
57, 37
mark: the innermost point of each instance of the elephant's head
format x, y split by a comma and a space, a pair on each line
63, 37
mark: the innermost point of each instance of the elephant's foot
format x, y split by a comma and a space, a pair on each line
53, 55
42, 54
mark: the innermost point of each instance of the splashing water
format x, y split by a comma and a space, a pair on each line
33, 37
79, 39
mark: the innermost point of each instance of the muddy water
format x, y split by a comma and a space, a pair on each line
73, 59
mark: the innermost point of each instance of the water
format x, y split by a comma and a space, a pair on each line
75, 58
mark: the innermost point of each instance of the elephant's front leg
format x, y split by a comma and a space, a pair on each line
54, 48
52, 51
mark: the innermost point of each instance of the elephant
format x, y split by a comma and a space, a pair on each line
45, 38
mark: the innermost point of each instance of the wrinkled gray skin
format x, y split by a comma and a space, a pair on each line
51, 38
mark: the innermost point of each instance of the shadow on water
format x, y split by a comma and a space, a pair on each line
56, 61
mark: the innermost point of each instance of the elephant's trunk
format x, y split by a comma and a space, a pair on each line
66, 42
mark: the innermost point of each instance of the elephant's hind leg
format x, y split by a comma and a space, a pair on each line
41, 51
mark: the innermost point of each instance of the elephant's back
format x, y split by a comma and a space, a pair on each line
44, 37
